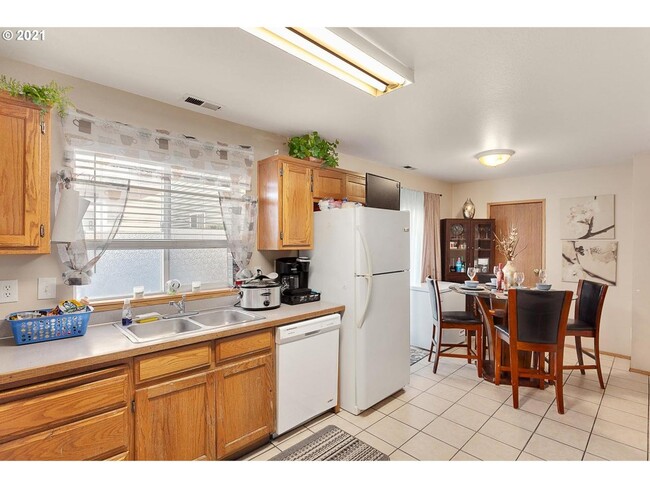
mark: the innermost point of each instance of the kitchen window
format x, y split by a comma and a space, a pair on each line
172, 226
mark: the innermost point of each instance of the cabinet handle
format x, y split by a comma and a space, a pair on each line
42, 231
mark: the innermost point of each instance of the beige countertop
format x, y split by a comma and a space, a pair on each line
103, 343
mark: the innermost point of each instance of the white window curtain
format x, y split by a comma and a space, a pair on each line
413, 201
177, 187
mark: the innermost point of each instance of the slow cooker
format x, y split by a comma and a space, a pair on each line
260, 293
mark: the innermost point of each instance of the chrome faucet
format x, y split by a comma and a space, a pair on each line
180, 307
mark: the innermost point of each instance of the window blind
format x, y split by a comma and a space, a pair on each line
167, 206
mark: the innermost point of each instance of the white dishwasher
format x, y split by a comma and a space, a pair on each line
306, 370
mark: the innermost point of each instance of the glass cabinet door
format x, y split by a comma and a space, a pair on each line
482, 235
458, 245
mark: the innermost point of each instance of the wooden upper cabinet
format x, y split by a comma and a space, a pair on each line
285, 220
287, 189
355, 188
24, 177
329, 184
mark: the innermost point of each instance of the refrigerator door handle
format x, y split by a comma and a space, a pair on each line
366, 250
362, 319
367, 276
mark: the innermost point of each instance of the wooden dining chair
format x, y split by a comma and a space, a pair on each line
586, 323
467, 321
537, 322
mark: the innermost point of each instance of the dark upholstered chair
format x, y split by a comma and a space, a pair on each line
537, 322
586, 323
467, 321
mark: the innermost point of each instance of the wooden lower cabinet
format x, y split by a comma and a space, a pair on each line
78, 417
244, 404
175, 420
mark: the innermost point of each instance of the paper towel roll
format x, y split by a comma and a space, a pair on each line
69, 216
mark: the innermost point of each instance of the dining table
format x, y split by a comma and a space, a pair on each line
497, 303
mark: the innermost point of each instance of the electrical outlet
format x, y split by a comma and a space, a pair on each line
8, 291
46, 288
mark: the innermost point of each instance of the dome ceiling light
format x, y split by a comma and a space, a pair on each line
494, 157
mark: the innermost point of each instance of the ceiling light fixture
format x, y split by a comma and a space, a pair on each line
342, 53
494, 157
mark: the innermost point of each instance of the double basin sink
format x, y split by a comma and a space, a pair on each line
187, 324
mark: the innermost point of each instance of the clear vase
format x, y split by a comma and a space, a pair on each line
509, 271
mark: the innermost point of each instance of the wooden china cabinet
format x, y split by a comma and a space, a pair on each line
469, 242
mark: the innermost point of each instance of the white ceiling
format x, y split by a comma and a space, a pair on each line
561, 98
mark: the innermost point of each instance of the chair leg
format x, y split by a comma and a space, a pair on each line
479, 353
436, 339
514, 376
468, 344
597, 355
497, 360
559, 393
540, 367
581, 360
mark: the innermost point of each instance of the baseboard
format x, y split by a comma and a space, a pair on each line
616, 355
640, 371
604, 353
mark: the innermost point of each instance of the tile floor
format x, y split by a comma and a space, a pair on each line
454, 415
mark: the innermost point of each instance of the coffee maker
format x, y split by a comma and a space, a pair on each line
293, 275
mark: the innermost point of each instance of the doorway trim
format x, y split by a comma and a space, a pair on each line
516, 202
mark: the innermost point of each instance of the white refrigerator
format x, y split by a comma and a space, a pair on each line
361, 260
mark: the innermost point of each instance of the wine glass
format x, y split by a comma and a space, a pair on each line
471, 272
519, 278
542, 276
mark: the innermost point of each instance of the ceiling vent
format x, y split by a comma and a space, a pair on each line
408, 166
201, 103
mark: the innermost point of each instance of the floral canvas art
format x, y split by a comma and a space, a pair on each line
589, 217
589, 260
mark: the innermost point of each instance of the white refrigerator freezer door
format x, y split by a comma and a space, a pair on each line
382, 241
382, 344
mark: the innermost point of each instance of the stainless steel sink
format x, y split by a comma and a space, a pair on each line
160, 329
224, 317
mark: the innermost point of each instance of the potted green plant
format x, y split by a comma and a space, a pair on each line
312, 147
50, 95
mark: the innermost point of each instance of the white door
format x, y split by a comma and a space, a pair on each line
382, 241
382, 349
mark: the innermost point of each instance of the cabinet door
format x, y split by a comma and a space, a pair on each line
244, 404
22, 177
355, 188
175, 420
297, 211
329, 184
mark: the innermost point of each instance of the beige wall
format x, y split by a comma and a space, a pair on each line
617, 313
114, 104
641, 258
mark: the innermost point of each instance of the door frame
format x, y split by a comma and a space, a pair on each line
517, 202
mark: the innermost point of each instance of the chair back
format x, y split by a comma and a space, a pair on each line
589, 306
434, 296
538, 317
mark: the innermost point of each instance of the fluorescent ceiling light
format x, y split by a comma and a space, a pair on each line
494, 157
337, 56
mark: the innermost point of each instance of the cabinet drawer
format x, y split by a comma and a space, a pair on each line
239, 346
27, 414
92, 438
162, 364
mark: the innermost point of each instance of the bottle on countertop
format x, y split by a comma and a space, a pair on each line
500, 282
127, 314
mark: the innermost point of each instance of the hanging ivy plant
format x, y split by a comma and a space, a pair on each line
50, 95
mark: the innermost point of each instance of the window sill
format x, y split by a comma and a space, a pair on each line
107, 305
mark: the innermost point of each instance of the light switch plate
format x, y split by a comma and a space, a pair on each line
8, 291
46, 288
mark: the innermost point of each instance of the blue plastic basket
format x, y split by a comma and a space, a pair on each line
49, 328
